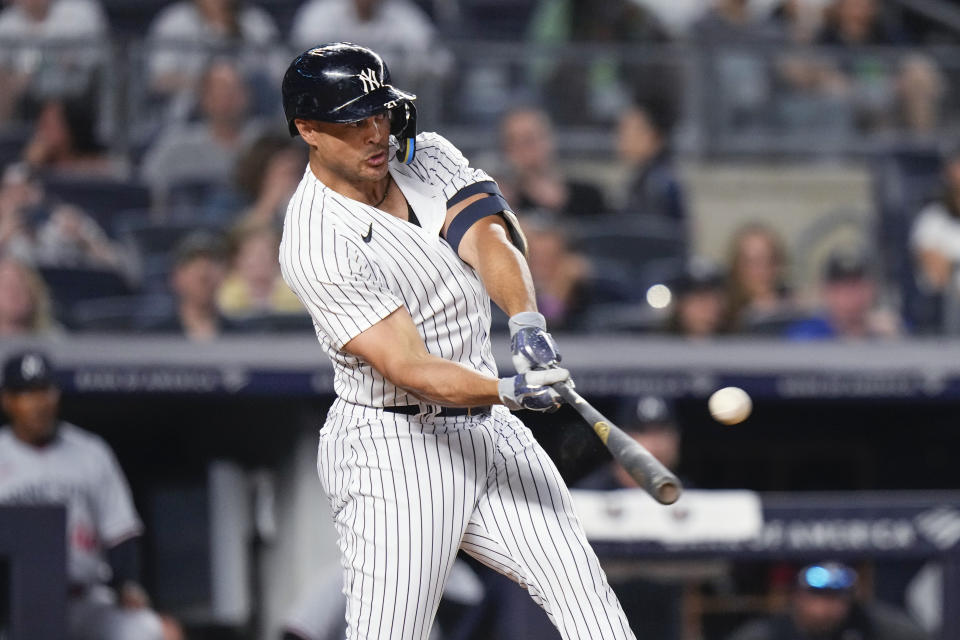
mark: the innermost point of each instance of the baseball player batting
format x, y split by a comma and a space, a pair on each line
396, 246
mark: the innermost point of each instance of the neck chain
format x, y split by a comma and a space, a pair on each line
385, 192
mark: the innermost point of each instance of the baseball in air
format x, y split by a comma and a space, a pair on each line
730, 405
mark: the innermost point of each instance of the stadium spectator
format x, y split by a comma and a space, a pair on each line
738, 73
47, 48
254, 284
756, 287
21, 195
643, 146
699, 304
47, 233
823, 605
187, 33
935, 236
851, 310
797, 22
559, 274
533, 180
908, 97
920, 89
24, 301
596, 87
205, 150
399, 29
49, 461
731, 22
65, 142
198, 271
857, 23
265, 175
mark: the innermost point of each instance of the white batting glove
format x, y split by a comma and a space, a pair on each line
531, 390
532, 347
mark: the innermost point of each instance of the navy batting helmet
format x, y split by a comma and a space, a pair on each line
344, 82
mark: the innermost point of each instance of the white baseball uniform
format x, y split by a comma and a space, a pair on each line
408, 491
78, 470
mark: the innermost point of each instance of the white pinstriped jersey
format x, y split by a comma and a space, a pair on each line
352, 264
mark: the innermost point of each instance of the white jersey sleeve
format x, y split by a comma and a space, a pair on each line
116, 518
334, 278
444, 163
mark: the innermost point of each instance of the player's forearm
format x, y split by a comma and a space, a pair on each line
444, 382
505, 273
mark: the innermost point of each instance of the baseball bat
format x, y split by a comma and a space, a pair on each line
649, 473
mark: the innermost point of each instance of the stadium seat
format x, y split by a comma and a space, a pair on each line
638, 317
70, 285
118, 314
103, 199
12, 140
635, 242
276, 323
132, 17
155, 243
189, 195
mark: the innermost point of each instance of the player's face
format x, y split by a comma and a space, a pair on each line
820, 614
354, 152
33, 413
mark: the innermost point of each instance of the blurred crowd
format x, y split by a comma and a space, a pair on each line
144, 169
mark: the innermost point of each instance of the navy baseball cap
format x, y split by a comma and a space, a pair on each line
850, 263
827, 577
646, 413
26, 371
698, 274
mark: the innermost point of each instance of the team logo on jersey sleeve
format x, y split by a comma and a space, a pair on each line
370, 80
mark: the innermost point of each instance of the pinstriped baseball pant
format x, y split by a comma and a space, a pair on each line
408, 492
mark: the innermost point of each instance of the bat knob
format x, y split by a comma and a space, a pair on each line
668, 492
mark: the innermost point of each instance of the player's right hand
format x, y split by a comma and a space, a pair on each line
531, 390
532, 347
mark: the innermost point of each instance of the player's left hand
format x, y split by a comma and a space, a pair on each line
532, 346
531, 390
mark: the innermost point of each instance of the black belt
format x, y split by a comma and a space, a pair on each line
445, 412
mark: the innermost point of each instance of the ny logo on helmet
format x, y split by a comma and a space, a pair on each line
370, 80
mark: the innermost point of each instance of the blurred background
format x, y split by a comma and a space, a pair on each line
760, 193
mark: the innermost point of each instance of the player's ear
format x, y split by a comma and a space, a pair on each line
308, 130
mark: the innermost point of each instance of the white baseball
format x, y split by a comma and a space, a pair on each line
730, 405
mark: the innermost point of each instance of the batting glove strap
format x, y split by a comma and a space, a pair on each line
526, 319
532, 390
533, 348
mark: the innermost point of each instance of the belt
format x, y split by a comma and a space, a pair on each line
445, 412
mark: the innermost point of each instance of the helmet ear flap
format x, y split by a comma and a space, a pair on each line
403, 125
